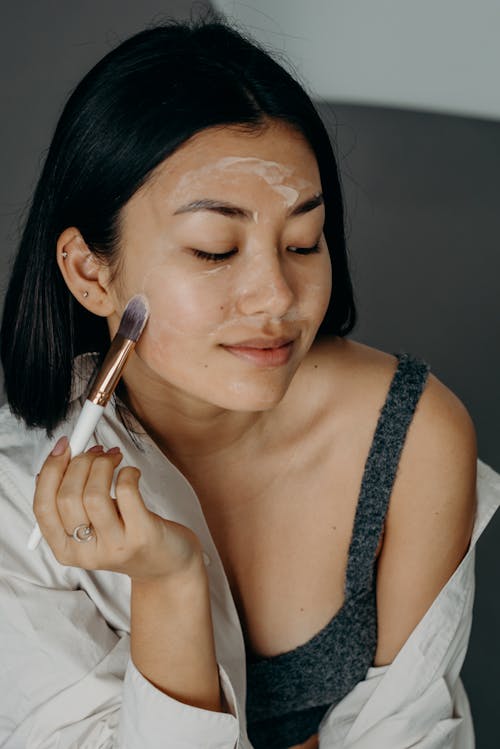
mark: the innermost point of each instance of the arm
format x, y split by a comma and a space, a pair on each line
171, 637
430, 517
67, 678
412, 696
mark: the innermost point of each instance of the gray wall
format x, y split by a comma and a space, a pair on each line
424, 227
422, 203
45, 48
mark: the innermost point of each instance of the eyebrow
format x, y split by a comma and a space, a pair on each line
234, 211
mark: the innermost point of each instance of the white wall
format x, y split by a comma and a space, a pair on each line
436, 55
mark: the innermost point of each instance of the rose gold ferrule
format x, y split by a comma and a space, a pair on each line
111, 370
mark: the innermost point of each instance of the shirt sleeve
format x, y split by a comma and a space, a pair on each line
418, 700
148, 717
430, 721
66, 678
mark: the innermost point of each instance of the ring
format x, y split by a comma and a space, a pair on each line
82, 533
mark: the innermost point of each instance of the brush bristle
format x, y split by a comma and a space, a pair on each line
134, 318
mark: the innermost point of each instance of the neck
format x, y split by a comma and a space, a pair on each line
192, 433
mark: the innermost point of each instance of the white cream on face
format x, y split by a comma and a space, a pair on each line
231, 170
263, 290
272, 172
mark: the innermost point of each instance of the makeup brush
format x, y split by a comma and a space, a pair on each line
132, 323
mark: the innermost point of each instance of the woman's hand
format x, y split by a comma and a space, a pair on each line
128, 537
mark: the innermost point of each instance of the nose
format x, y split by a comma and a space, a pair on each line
264, 287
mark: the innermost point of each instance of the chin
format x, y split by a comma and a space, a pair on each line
245, 398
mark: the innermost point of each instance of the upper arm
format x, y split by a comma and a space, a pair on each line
430, 517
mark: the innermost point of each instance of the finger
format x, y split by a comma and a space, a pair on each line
47, 486
71, 491
128, 497
95, 450
48, 481
101, 509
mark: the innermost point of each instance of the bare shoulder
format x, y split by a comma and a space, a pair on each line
430, 518
431, 511
352, 375
347, 382
432, 506
439, 455
440, 450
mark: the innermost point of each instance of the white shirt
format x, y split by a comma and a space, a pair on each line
66, 677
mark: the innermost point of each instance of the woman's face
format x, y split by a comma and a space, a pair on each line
226, 242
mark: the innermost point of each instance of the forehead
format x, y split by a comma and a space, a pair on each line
277, 154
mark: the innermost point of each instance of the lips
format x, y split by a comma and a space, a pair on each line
263, 352
260, 343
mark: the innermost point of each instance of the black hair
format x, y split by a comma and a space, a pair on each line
131, 111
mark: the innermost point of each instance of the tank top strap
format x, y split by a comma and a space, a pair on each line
380, 469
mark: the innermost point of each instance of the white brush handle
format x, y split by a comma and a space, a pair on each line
83, 431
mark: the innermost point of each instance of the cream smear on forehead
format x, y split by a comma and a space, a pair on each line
272, 172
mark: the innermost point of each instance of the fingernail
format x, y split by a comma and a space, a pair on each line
60, 446
96, 449
113, 451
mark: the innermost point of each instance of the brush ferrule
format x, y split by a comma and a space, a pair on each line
111, 370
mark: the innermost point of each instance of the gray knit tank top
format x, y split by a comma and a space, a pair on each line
288, 694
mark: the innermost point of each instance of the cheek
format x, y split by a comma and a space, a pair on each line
184, 309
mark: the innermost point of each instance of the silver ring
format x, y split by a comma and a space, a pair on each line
82, 533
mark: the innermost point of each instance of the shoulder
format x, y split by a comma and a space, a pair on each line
439, 456
432, 507
430, 518
351, 378
436, 481
438, 463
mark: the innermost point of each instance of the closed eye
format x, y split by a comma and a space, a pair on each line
305, 250
215, 257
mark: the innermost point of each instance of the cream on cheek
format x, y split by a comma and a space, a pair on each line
185, 309
193, 313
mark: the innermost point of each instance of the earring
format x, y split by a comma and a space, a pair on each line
64, 254
85, 294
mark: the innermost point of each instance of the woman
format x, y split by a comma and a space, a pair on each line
251, 579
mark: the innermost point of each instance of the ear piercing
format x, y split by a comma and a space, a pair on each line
64, 255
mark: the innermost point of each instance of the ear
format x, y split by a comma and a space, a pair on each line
86, 277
